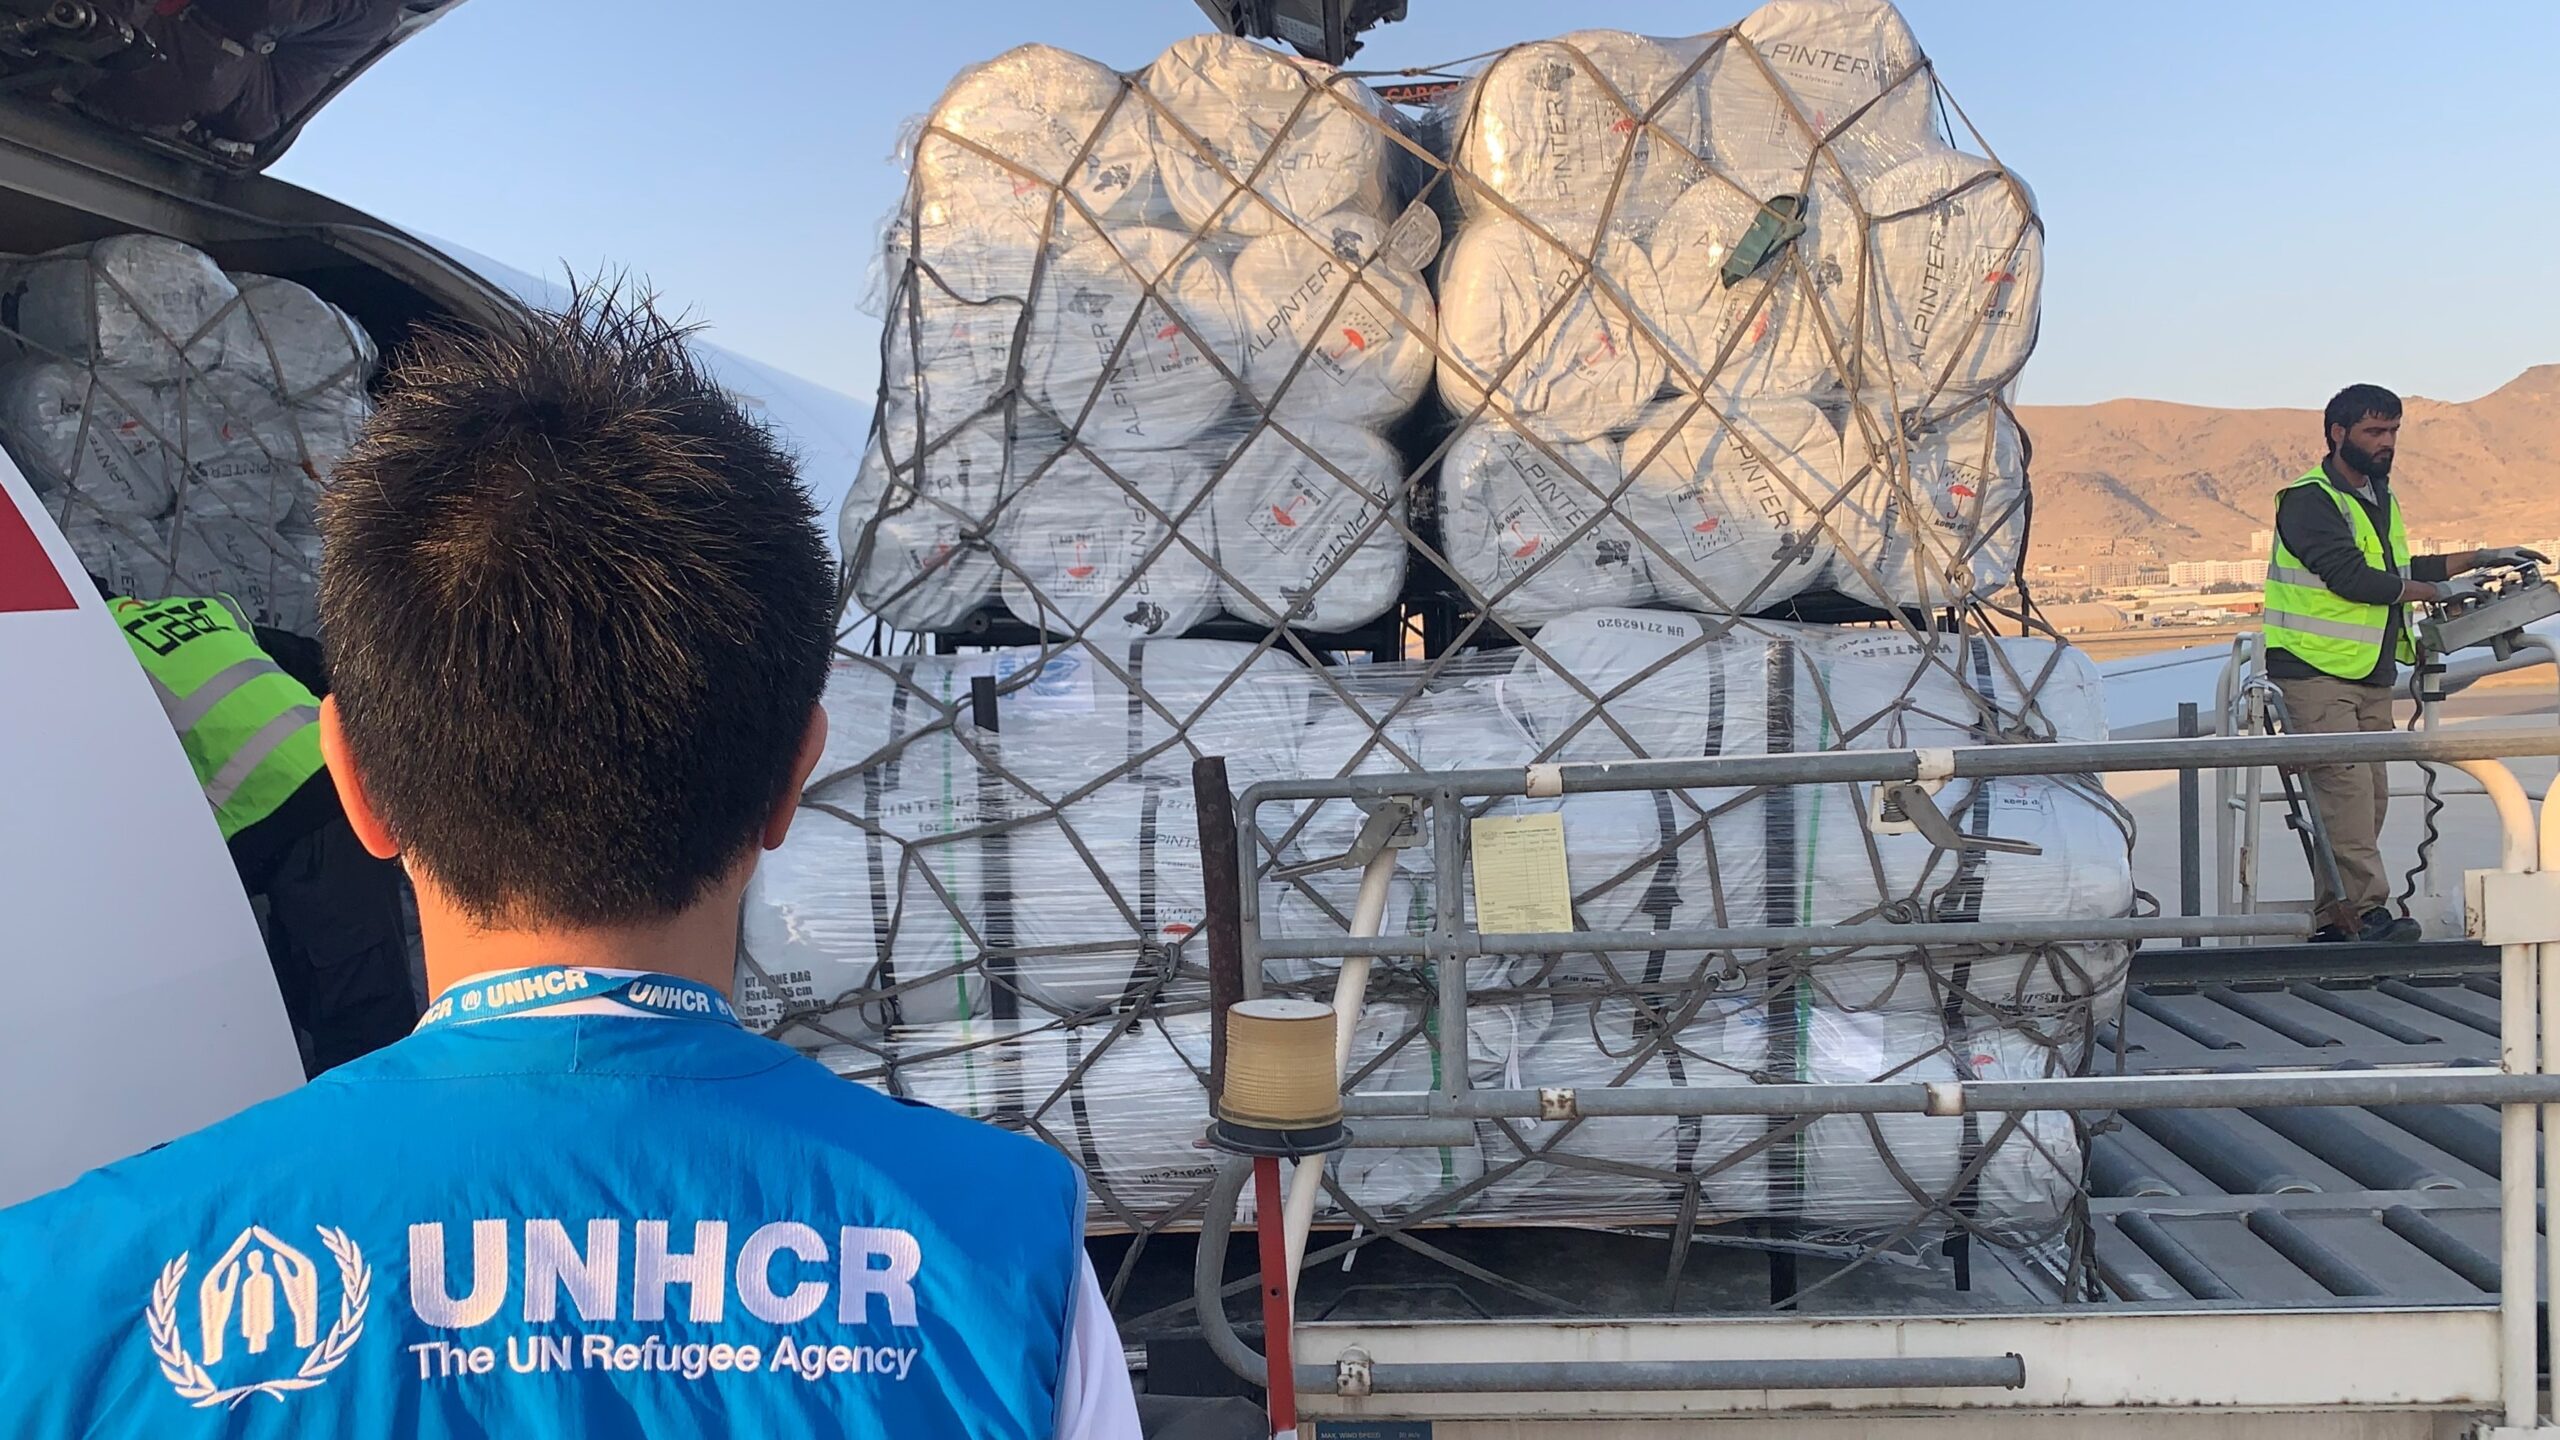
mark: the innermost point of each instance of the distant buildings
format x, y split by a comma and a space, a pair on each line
2219, 572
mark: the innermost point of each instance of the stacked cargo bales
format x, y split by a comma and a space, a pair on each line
179, 421
1721, 325
1144, 336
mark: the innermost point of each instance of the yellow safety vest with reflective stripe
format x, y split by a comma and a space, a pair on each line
2322, 628
251, 731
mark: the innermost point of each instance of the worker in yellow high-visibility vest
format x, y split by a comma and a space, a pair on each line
2339, 582
336, 932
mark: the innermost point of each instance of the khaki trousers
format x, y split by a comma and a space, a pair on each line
2351, 799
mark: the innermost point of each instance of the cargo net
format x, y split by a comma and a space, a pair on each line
1230, 411
178, 421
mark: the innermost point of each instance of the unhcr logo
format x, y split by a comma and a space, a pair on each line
257, 1315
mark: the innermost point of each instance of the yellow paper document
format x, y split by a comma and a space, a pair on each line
1521, 885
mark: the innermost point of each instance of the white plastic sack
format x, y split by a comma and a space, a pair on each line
1087, 546
915, 531
1306, 527
1637, 1166
151, 308
863, 918
2026, 1188
1010, 135
95, 447
1361, 317
1871, 1170
1113, 886
1830, 58
1761, 336
1097, 711
1122, 337
1126, 1104
1935, 519
1729, 500
1559, 345
1959, 257
1307, 139
1534, 524
952, 319
1594, 130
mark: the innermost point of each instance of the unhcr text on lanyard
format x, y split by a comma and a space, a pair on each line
515, 992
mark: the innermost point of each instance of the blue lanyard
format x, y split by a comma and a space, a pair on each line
513, 992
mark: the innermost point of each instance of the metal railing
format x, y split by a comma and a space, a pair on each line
2521, 916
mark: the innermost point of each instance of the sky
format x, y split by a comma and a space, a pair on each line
2247, 203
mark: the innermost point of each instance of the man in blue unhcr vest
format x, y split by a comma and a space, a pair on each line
578, 616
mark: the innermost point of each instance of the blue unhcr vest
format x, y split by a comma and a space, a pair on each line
553, 1225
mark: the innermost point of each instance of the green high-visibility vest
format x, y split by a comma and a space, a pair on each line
2322, 628
251, 731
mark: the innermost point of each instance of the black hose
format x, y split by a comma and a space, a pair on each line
2435, 802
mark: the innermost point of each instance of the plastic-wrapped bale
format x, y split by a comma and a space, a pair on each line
2027, 1187
954, 288
1607, 685
297, 385
1307, 522
1250, 141
857, 920
1134, 338
914, 526
1734, 506
1092, 713
1762, 334
1937, 518
152, 309
1866, 1172
1849, 75
1356, 311
1013, 138
1559, 343
96, 449
1958, 282
1123, 1098
1087, 545
1637, 1167
1128, 1099
1534, 524
1635, 860
881, 908
1594, 131
2083, 870
1647, 684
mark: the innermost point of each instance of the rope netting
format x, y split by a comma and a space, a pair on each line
1716, 327
178, 421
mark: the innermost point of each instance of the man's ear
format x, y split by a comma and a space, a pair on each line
813, 743
361, 816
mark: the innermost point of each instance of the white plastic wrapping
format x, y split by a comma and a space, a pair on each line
1763, 334
1959, 275
1010, 135
1306, 532
1360, 317
1594, 130
1846, 72
1935, 515
1732, 498
1250, 141
916, 521
1134, 337
1533, 524
174, 416
1557, 341
1089, 545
